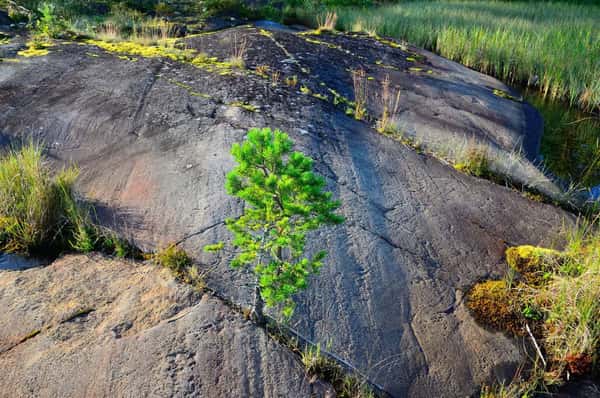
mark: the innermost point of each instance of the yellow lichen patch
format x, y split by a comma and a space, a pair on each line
189, 89
33, 52
126, 58
190, 56
132, 48
323, 43
305, 90
35, 49
265, 32
386, 66
415, 69
244, 105
492, 303
533, 262
504, 94
390, 43
321, 96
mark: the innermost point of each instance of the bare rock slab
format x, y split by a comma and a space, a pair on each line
91, 326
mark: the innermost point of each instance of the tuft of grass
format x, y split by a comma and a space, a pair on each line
389, 106
475, 161
291, 81
361, 93
181, 265
346, 385
173, 258
571, 304
263, 70
319, 365
239, 49
34, 205
39, 213
326, 22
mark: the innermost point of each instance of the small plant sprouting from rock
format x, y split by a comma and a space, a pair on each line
320, 366
475, 162
326, 22
285, 200
361, 92
291, 81
180, 264
389, 105
238, 52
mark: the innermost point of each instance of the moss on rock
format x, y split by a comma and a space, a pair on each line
494, 304
533, 262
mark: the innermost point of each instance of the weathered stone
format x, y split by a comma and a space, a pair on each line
57, 337
152, 139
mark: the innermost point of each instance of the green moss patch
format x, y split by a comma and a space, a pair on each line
534, 263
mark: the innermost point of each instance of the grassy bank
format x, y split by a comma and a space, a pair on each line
554, 47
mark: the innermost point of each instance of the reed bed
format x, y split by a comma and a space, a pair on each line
554, 47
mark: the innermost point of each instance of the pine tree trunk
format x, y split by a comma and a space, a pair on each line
258, 311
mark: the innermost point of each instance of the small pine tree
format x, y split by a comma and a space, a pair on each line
284, 201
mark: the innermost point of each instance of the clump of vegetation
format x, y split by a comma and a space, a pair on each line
291, 81
180, 264
494, 303
535, 264
34, 49
239, 50
35, 206
39, 213
361, 93
475, 161
559, 295
389, 106
326, 22
321, 366
49, 24
173, 258
285, 201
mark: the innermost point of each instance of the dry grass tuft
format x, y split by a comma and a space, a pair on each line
361, 93
327, 21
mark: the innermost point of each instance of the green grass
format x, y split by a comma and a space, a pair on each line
40, 214
554, 47
178, 261
346, 385
34, 205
